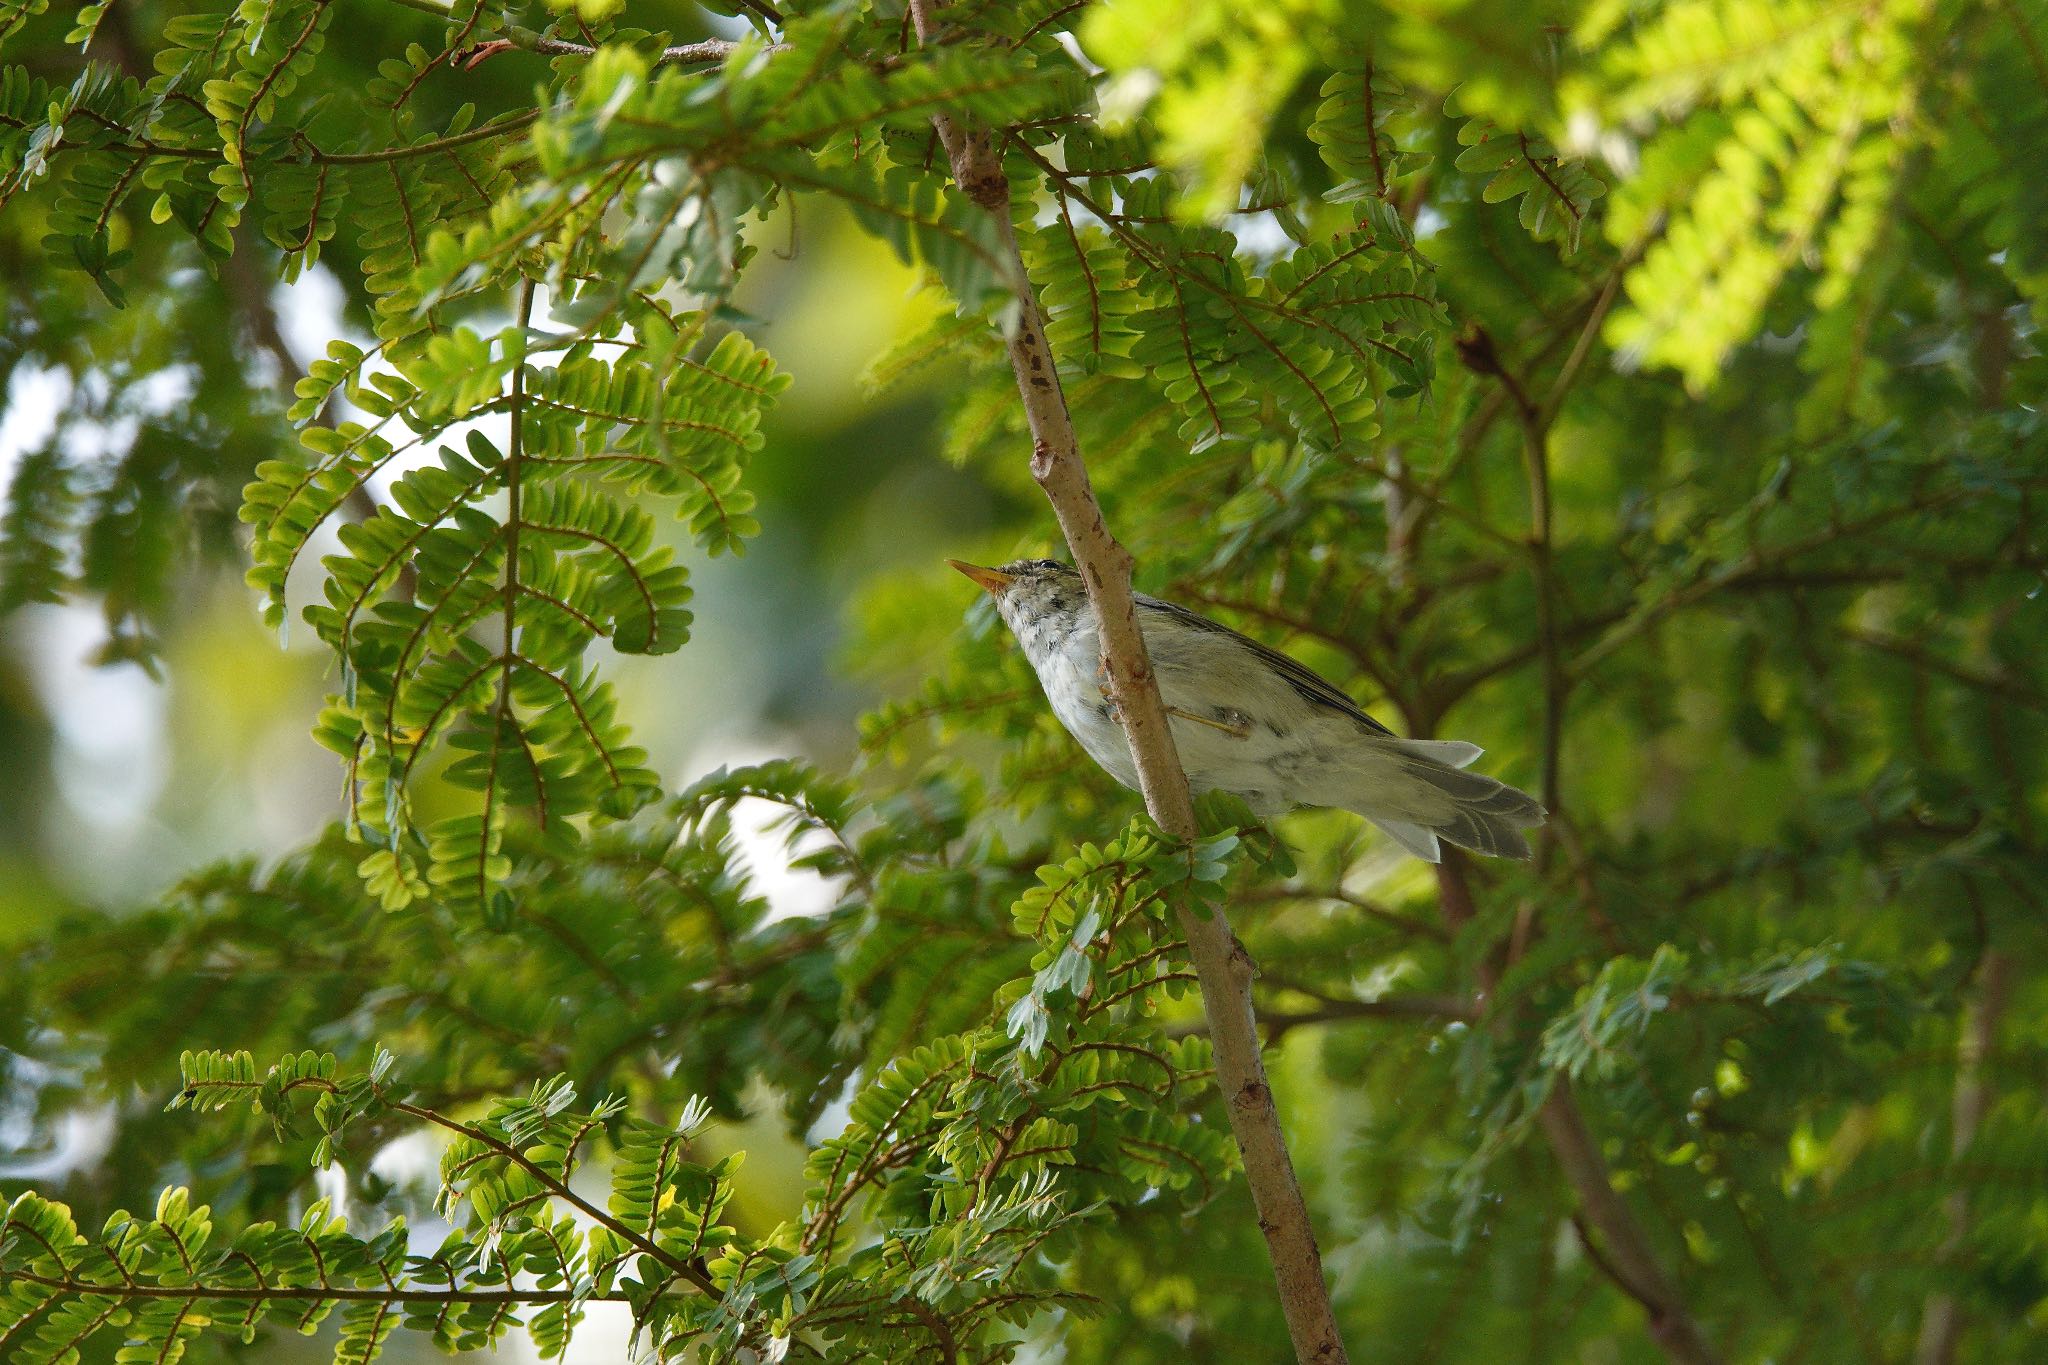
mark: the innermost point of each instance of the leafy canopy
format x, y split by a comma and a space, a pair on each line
1648, 391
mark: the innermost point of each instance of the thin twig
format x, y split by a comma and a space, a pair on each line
1279, 1023
1631, 1261
709, 50
1922, 657
319, 1293
1536, 454
682, 54
1568, 373
1766, 562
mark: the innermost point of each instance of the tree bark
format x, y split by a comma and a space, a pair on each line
1224, 967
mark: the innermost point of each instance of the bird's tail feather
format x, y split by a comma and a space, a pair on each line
1455, 753
1429, 798
1417, 840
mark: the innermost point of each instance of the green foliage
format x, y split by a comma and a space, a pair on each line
1226, 69
40, 508
567, 564
1368, 318
504, 1187
1351, 130
1616, 1008
1809, 166
969, 1172
1555, 194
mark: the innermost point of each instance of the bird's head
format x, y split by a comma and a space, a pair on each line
1031, 594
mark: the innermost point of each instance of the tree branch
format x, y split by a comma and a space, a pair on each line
1332, 1011
1941, 1325
1221, 962
318, 1293
1630, 1261
682, 54
1920, 656
1281, 1022
1475, 347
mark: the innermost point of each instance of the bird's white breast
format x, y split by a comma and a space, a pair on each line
1069, 667
1239, 759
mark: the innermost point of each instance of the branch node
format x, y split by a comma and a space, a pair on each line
1042, 460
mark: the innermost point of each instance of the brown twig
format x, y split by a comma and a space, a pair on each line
1768, 564
319, 1293
1536, 454
1920, 656
516, 36
1221, 962
709, 50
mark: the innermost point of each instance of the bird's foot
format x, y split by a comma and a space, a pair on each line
1228, 719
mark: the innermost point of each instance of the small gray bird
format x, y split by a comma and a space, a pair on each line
1254, 722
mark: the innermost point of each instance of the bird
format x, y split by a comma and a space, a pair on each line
1250, 720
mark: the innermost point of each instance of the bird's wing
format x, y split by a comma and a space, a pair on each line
1312, 686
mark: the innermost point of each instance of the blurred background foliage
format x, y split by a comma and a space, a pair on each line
1695, 472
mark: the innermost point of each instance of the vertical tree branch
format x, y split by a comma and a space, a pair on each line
1221, 962
1536, 454
1629, 1260
1632, 1260
1941, 1325
1477, 351
1941, 1322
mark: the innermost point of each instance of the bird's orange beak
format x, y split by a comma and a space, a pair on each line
995, 580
